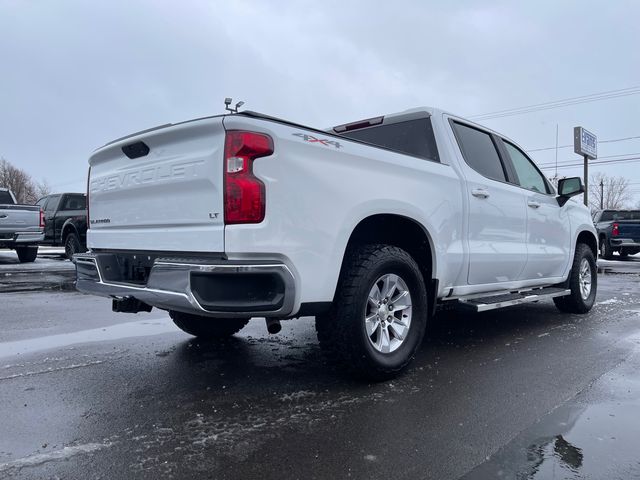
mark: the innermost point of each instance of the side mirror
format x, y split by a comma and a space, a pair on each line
569, 187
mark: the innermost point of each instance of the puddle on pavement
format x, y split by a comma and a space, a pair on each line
575, 441
140, 328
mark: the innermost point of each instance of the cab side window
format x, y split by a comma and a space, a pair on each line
52, 204
479, 151
529, 176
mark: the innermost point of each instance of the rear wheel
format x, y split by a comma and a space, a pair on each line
27, 254
72, 245
606, 251
583, 282
207, 328
379, 313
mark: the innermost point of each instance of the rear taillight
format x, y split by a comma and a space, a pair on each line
615, 231
41, 218
244, 194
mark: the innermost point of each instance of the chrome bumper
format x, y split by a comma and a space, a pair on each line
170, 285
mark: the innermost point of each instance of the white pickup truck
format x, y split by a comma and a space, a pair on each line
368, 226
21, 226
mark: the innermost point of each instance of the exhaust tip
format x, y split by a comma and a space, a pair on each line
273, 325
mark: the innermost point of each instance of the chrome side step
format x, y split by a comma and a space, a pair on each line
492, 302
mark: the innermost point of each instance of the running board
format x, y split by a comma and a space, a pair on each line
482, 304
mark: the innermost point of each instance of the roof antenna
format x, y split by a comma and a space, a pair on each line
228, 108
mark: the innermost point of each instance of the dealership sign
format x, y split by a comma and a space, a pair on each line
585, 143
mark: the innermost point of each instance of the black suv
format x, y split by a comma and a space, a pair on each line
65, 221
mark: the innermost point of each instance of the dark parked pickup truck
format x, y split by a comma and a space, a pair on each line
65, 221
618, 231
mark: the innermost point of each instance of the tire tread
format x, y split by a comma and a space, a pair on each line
336, 329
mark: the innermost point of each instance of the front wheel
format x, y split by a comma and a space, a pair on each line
379, 313
207, 328
583, 282
27, 254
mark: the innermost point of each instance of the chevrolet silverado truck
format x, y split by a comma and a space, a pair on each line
65, 221
21, 227
369, 227
618, 231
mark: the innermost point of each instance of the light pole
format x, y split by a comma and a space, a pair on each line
586, 181
601, 194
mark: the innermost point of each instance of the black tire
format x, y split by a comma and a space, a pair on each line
576, 302
342, 332
207, 328
72, 245
27, 254
606, 251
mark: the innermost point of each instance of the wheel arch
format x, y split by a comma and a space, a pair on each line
402, 232
68, 227
589, 239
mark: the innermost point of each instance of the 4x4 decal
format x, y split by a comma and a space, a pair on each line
324, 141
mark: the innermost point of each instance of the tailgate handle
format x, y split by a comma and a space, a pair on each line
3, 216
136, 150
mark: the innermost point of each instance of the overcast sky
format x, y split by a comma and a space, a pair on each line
76, 74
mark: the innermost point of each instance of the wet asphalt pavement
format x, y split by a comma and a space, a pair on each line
524, 392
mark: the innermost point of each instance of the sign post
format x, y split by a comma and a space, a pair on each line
585, 143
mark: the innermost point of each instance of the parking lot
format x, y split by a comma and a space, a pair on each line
526, 391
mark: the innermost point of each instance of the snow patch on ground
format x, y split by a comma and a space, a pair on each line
291, 397
52, 369
609, 302
62, 454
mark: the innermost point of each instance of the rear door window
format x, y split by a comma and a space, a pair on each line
479, 151
414, 137
74, 202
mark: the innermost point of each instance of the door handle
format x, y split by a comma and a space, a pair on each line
533, 204
479, 192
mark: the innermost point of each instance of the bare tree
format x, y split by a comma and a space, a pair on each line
42, 189
608, 192
18, 181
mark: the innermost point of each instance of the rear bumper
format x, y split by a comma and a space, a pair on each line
624, 242
214, 288
19, 239
29, 237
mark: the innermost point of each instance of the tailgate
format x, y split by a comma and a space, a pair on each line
629, 229
19, 218
169, 199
